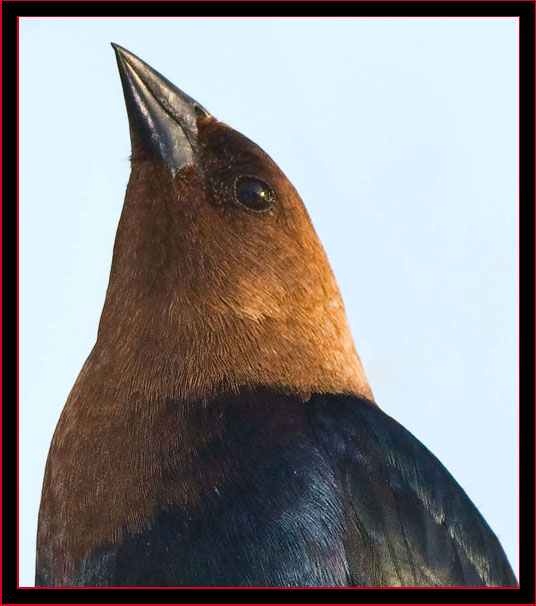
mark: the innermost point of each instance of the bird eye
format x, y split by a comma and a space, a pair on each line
254, 194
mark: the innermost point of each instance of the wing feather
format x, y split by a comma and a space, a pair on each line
409, 522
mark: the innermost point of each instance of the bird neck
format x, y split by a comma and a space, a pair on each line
188, 351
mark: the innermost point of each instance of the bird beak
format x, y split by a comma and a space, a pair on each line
161, 116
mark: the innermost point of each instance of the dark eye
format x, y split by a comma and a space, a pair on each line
254, 194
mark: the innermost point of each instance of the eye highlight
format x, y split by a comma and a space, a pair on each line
253, 194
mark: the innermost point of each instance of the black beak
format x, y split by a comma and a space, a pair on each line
161, 116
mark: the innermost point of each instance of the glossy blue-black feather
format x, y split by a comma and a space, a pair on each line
332, 492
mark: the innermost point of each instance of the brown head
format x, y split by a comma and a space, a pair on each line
218, 280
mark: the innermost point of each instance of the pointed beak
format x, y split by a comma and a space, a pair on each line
161, 116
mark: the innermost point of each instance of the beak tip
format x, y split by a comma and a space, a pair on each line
119, 50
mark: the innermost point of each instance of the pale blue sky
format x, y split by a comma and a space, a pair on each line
401, 136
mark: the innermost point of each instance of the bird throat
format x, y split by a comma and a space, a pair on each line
190, 352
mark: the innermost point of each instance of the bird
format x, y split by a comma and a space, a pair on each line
222, 431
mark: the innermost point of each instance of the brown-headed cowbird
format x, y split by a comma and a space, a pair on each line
222, 431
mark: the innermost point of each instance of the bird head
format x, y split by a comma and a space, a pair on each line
217, 269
